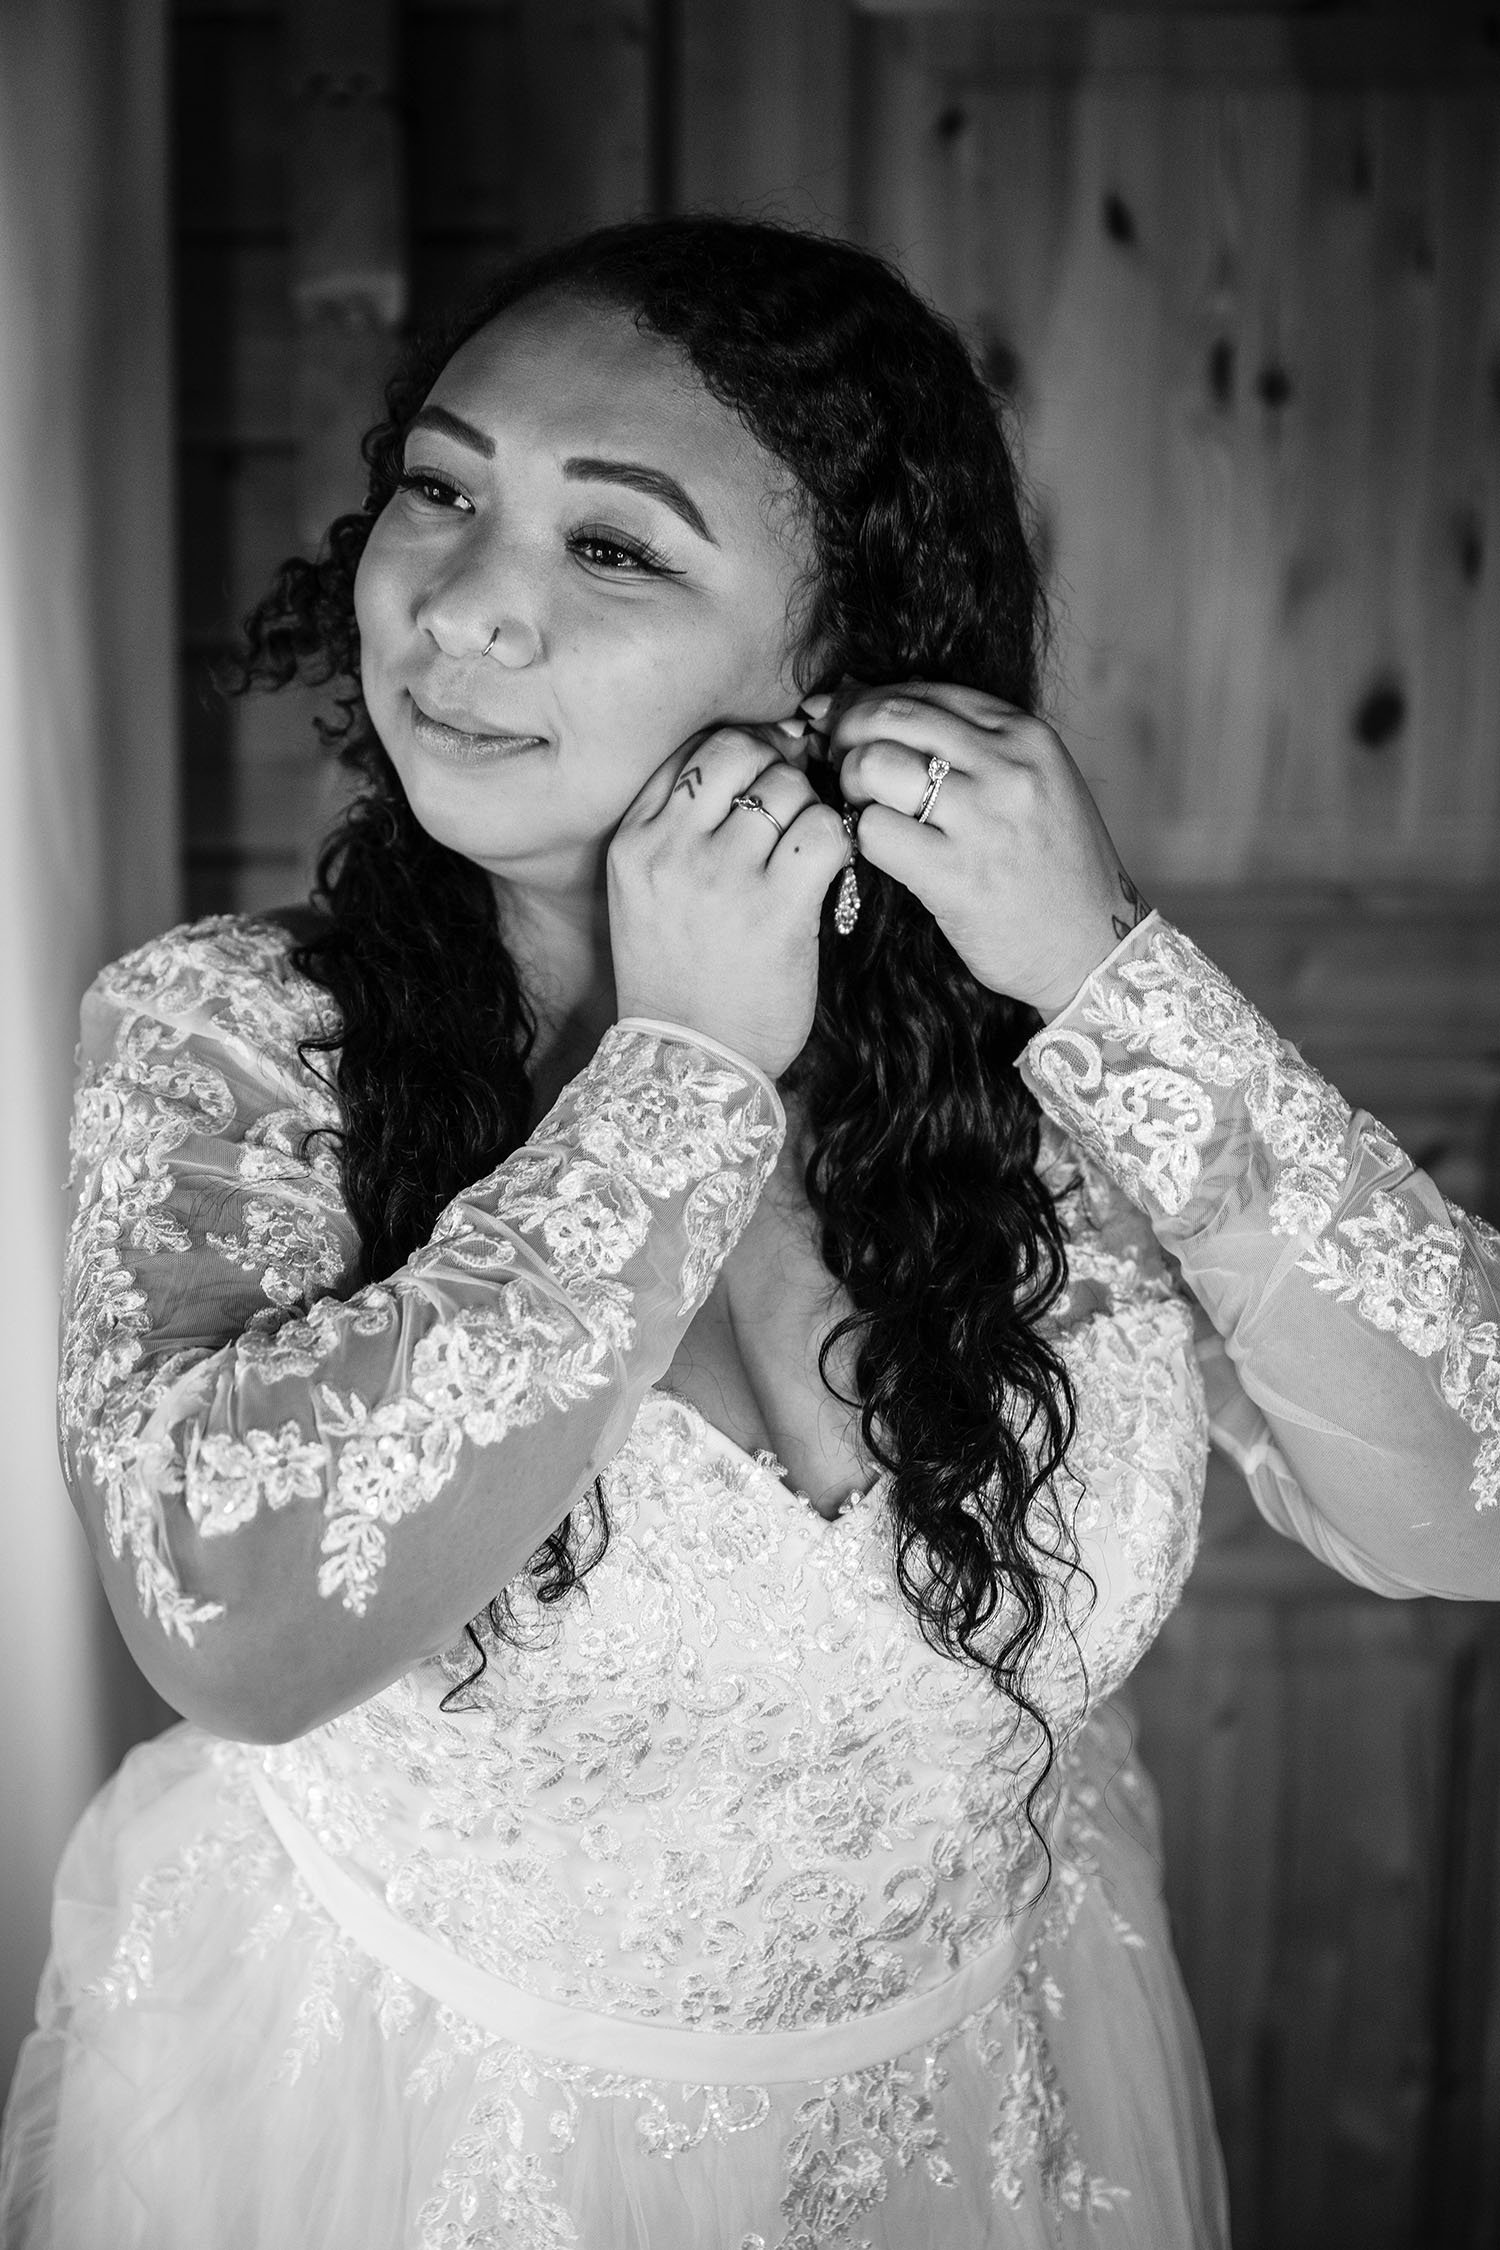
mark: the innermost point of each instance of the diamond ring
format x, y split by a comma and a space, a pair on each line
938, 770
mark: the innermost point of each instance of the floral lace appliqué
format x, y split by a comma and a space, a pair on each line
204, 1179
1166, 1061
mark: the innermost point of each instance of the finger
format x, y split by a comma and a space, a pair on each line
913, 854
783, 791
651, 799
815, 838
716, 765
931, 722
894, 774
978, 704
924, 730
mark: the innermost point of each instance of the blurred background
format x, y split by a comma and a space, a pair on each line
1238, 269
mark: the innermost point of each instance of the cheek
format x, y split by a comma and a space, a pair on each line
619, 671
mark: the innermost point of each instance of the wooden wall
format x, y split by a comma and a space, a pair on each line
1239, 273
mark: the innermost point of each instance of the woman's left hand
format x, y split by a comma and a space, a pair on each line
1014, 861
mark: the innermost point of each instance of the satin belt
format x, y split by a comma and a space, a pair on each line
626, 2043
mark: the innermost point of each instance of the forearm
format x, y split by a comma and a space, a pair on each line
1356, 1306
311, 1508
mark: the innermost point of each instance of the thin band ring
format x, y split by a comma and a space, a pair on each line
753, 804
938, 770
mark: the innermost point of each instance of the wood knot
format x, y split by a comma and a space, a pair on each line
1273, 385
1119, 219
1221, 372
1002, 366
1468, 544
1380, 713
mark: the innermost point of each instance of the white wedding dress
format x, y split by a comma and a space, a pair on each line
710, 1914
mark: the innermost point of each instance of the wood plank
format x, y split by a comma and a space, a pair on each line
1211, 1699
584, 72
238, 522
234, 883
1308, 1912
449, 275
467, 122
528, 122
1461, 2170
764, 99
234, 344
231, 122
1244, 323
348, 276
259, 784
1335, 42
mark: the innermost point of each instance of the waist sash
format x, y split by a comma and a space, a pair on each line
628, 2043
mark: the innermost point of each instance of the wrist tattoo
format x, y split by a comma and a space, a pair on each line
1140, 907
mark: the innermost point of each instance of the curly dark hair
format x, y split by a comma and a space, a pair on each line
923, 1137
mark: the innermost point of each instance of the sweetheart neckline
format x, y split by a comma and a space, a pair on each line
855, 1498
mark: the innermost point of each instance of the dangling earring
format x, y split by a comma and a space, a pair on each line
846, 909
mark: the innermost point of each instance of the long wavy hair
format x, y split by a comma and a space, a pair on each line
922, 1137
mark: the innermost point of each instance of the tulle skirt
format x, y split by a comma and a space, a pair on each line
218, 2063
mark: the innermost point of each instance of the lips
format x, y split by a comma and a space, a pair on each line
472, 727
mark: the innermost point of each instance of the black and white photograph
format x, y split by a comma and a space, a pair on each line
750, 1138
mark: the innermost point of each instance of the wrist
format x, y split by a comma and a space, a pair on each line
1116, 944
665, 1026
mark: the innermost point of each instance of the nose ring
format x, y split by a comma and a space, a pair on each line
513, 654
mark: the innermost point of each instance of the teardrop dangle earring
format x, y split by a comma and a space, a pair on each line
846, 909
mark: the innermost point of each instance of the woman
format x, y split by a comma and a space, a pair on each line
649, 1777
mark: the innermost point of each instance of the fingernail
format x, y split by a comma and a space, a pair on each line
816, 706
796, 729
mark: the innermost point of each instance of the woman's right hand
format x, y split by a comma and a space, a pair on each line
713, 917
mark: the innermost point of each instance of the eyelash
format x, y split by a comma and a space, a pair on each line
641, 553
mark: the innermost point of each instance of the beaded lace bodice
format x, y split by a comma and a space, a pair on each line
733, 1786
727, 1783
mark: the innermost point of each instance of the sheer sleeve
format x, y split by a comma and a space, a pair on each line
228, 1392
1347, 1329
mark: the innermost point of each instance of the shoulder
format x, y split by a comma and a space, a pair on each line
228, 977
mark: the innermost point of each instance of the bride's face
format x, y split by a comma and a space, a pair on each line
578, 502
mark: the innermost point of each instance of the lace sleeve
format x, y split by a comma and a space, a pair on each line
1358, 1378
244, 1425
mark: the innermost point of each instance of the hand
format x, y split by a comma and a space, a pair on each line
713, 916
1014, 861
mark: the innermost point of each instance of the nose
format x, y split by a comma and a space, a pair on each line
513, 642
484, 603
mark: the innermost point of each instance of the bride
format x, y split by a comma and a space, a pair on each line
641, 1370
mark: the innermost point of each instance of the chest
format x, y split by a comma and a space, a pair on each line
749, 1359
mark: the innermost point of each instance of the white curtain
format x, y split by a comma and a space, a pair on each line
88, 824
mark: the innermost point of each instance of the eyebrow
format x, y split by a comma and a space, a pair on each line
583, 468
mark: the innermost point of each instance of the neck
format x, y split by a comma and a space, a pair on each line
560, 943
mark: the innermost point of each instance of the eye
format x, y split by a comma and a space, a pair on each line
612, 552
435, 490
